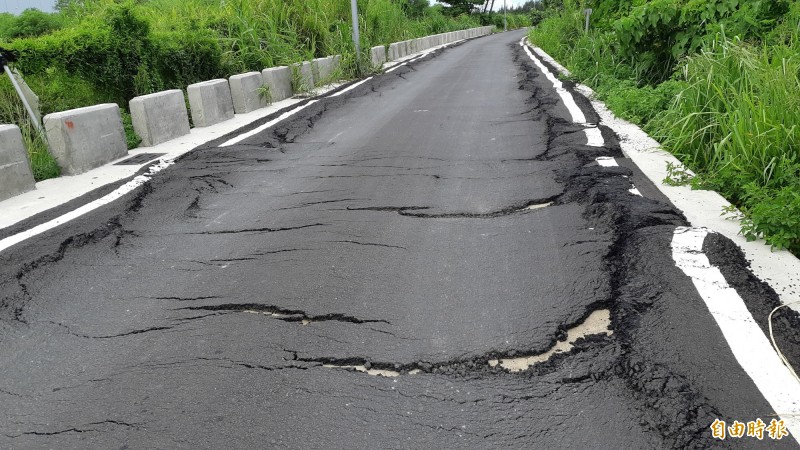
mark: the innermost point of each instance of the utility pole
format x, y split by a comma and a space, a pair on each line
588, 13
356, 35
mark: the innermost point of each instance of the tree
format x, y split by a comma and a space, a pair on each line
32, 22
71, 7
458, 7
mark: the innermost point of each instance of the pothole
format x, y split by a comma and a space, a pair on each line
598, 322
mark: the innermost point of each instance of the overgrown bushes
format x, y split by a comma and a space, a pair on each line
716, 82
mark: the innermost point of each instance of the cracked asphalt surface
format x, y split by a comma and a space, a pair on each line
436, 218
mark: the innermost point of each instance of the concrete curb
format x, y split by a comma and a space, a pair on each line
780, 269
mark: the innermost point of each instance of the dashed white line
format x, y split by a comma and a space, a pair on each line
749, 345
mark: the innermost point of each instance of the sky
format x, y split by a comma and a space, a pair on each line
17, 6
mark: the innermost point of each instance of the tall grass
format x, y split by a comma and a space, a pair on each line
740, 111
730, 113
737, 123
43, 164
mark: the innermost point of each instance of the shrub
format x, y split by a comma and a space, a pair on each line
30, 23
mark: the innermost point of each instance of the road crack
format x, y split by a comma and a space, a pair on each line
287, 315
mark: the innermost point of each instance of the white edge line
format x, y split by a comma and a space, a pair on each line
269, 124
747, 341
395, 68
162, 164
350, 88
566, 97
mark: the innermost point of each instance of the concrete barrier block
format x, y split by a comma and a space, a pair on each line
336, 63
84, 138
210, 102
15, 170
394, 52
245, 92
322, 69
305, 79
160, 117
279, 80
378, 55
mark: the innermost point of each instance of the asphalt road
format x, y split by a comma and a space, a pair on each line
422, 226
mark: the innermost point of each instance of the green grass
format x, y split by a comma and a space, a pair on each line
737, 124
43, 164
730, 113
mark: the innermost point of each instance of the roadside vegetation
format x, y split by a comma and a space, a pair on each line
717, 82
109, 51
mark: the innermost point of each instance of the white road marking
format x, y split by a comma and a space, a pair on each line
749, 345
635, 191
566, 97
162, 164
607, 161
350, 88
407, 62
395, 68
594, 137
267, 125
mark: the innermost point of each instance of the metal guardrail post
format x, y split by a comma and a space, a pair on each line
5, 58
